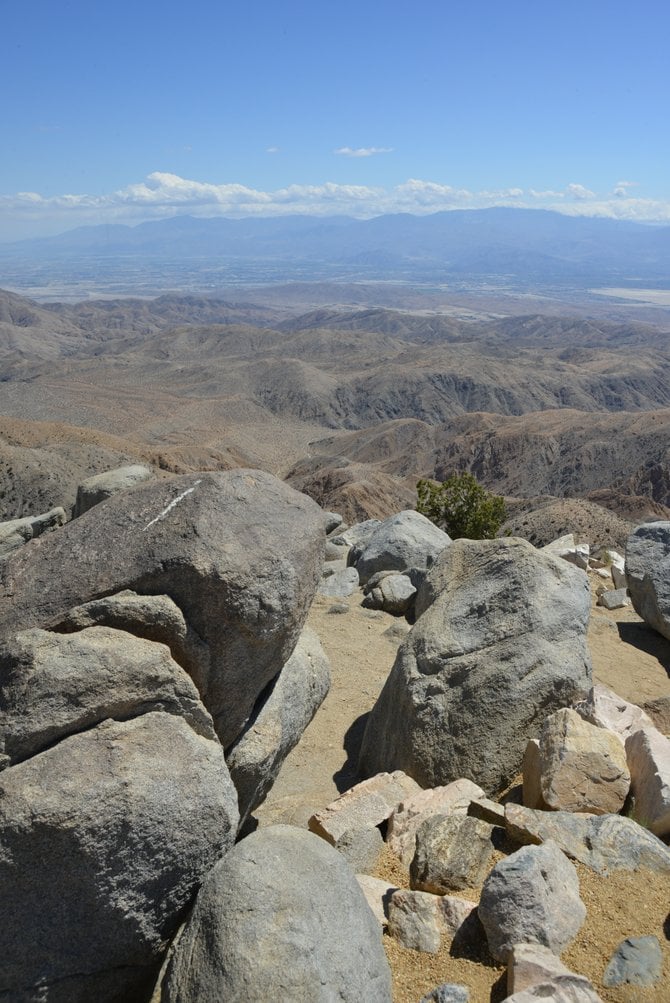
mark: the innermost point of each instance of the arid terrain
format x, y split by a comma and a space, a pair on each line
350, 402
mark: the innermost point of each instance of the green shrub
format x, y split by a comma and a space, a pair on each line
461, 507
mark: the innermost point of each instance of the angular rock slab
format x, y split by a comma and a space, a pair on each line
256, 757
499, 643
530, 897
582, 768
648, 574
602, 842
239, 553
405, 540
561, 989
55, 685
607, 709
104, 839
281, 917
363, 806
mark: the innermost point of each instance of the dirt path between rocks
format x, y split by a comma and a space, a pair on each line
361, 645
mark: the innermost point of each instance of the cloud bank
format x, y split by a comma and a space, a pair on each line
162, 194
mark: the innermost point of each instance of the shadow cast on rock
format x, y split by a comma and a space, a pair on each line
348, 774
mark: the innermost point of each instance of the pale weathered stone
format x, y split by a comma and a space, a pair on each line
340, 584
582, 767
614, 599
364, 806
488, 811
499, 643
602, 842
607, 709
452, 852
378, 895
448, 992
532, 896
420, 920
276, 726
618, 570
102, 486
239, 552
394, 594
560, 545
409, 815
155, 617
658, 710
360, 847
648, 753
16, 532
281, 917
530, 964
562, 989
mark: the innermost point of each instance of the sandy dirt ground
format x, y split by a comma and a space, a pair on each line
361, 645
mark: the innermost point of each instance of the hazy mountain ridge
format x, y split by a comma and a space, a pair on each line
532, 246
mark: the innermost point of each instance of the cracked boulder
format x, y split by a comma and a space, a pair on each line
238, 552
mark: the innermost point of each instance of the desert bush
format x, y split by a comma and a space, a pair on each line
461, 507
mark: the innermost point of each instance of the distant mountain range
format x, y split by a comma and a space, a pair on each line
529, 248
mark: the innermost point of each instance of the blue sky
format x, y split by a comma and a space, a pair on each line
130, 111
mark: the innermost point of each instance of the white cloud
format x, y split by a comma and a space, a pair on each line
579, 192
362, 151
163, 194
621, 188
272, 149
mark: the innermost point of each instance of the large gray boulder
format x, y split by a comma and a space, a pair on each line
54, 685
300, 689
239, 553
281, 917
104, 839
102, 486
648, 574
499, 643
405, 540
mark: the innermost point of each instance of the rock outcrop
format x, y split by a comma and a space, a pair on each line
238, 552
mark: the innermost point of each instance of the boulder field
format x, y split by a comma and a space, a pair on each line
155, 673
